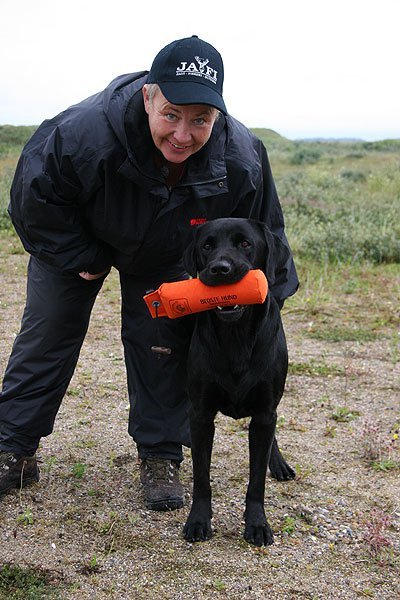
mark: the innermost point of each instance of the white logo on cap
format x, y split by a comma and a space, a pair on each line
200, 70
202, 63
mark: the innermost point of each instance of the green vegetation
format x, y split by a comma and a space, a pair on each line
341, 199
339, 333
26, 517
25, 583
78, 470
315, 369
91, 566
289, 525
12, 140
384, 465
343, 414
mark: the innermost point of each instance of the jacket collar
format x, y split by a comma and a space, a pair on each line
116, 98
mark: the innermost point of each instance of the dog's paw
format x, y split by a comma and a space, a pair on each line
257, 530
259, 535
280, 469
283, 473
197, 531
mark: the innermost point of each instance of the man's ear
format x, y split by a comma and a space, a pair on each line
146, 98
277, 253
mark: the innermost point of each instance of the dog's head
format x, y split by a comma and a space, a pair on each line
224, 250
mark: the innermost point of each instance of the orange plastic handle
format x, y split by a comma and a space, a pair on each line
181, 298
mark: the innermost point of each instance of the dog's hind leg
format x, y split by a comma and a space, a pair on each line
278, 466
198, 524
261, 434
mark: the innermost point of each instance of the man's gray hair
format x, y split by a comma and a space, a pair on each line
152, 88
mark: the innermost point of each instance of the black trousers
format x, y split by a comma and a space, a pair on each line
46, 351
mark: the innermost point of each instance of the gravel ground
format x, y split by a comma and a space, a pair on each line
85, 523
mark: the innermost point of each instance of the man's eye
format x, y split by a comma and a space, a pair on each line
170, 116
199, 121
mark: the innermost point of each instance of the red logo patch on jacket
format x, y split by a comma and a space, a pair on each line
197, 221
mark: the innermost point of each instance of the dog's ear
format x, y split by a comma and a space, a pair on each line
190, 257
276, 255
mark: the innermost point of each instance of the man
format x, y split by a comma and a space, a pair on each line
119, 180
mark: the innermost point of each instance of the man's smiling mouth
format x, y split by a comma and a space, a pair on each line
178, 147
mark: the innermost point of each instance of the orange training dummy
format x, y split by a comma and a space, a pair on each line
181, 298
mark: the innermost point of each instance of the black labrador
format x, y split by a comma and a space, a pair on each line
237, 365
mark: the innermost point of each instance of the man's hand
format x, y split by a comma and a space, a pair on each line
90, 276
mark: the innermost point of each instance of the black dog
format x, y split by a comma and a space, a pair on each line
237, 365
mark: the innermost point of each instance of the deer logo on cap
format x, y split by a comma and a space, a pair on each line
202, 62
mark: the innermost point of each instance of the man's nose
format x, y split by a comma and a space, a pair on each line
182, 133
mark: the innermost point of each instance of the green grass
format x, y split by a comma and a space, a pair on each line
384, 465
343, 414
78, 470
338, 333
13, 138
7, 167
348, 303
341, 200
337, 214
288, 525
26, 517
312, 368
26, 583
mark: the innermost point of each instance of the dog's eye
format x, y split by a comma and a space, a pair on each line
207, 247
244, 244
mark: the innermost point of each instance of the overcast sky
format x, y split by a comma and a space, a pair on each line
305, 68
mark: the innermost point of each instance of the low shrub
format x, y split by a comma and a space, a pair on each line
305, 156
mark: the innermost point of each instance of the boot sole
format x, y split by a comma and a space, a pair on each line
165, 505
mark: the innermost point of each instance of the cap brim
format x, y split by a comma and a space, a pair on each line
192, 93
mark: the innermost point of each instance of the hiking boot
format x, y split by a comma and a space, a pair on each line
17, 471
161, 485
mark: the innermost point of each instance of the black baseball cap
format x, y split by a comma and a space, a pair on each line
189, 71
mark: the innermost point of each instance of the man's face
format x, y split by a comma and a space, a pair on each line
178, 131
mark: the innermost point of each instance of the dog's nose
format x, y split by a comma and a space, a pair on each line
222, 267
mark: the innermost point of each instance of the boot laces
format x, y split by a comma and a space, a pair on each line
7, 460
160, 470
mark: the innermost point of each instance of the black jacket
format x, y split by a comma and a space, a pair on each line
86, 193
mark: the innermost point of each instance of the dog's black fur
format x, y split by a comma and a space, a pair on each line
237, 365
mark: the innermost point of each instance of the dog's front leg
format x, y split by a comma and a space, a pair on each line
198, 524
261, 435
